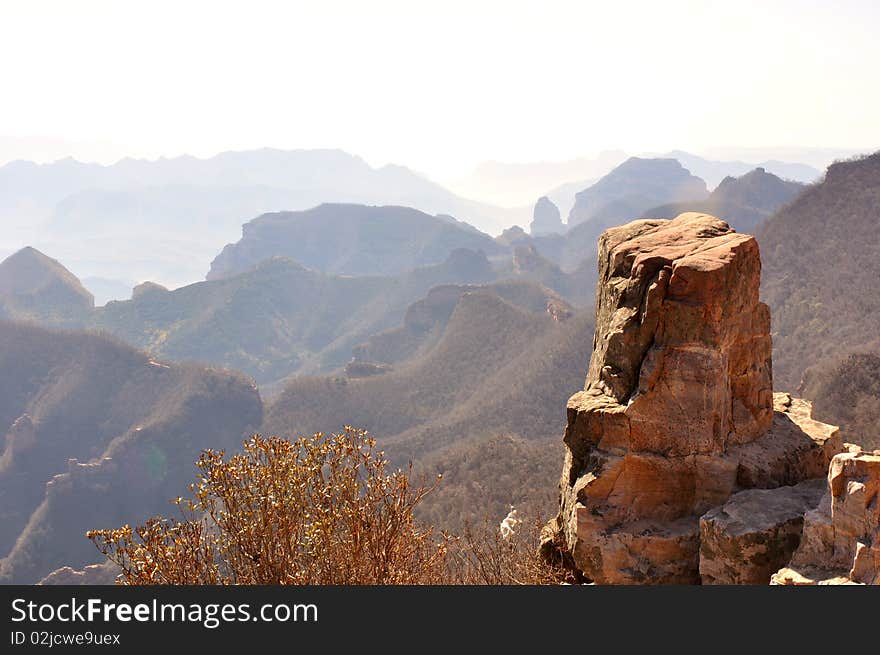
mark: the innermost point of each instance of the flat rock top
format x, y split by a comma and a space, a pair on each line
800, 412
856, 465
705, 242
757, 510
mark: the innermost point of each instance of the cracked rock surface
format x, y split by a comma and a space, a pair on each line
841, 537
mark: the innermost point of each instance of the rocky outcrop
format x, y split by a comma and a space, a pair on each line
20, 438
147, 289
748, 538
546, 218
357, 369
677, 412
512, 236
841, 537
783, 455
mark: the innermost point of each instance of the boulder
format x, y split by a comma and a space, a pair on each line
795, 448
748, 538
677, 411
359, 369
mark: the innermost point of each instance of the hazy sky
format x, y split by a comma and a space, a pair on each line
439, 86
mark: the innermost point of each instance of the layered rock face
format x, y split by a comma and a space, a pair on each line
841, 538
678, 411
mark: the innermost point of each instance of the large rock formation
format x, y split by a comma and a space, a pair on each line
678, 411
841, 538
546, 218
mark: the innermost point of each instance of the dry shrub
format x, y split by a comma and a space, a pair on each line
318, 510
482, 556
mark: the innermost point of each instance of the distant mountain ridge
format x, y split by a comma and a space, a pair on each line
276, 319
744, 202
351, 240
631, 188
179, 212
426, 319
713, 171
280, 318
518, 184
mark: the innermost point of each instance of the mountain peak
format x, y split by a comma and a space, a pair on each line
29, 270
633, 187
35, 286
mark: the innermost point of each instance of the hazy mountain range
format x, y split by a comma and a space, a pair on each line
351, 240
631, 188
714, 171
516, 184
456, 349
275, 319
519, 184
165, 219
744, 202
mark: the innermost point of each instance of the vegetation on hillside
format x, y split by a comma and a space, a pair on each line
485, 403
847, 393
821, 262
97, 431
483, 476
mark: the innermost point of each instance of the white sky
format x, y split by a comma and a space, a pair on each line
440, 86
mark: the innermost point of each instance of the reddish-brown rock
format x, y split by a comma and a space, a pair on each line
677, 402
841, 538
